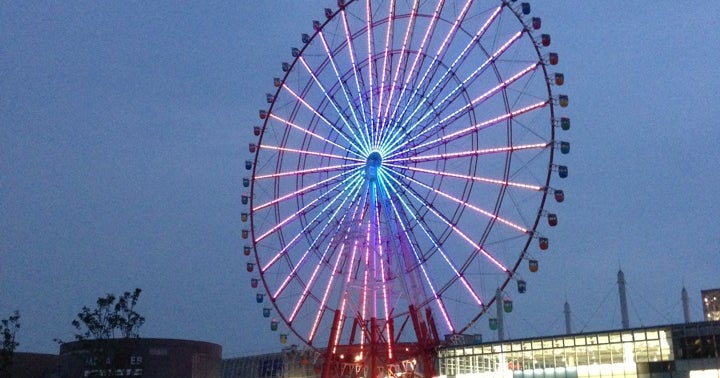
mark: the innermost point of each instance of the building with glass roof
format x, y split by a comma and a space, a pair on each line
680, 350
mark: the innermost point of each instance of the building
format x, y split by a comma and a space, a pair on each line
32, 365
711, 304
157, 358
689, 350
682, 350
290, 362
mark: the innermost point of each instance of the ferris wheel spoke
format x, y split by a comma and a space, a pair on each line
410, 75
437, 59
345, 234
323, 302
471, 153
371, 69
475, 102
455, 92
465, 178
385, 69
454, 230
294, 240
311, 153
345, 90
302, 260
418, 259
379, 254
429, 96
356, 74
311, 205
472, 207
351, 141
302, 191
450, 225
331, 100
403, 52
301, 172
304, 130
445, 138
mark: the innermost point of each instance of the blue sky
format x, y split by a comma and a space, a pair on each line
124, 127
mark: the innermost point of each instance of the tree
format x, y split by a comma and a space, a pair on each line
9, 328
110, 318
97, 327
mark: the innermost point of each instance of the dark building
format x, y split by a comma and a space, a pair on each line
32, 365
157, 358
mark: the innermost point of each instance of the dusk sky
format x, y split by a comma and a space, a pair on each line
124, 129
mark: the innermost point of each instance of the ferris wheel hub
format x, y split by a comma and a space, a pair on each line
373, 163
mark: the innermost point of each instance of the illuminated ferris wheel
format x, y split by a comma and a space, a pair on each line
400, 175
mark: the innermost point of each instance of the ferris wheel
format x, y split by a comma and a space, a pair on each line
400, 174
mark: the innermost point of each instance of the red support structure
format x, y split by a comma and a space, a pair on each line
329, 352
380, 355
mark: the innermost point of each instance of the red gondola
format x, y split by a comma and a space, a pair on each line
543, 243
553, 58
545, 39
552, 219
536, 23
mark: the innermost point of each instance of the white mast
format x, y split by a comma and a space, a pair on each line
686, 305
568, 326
623, 300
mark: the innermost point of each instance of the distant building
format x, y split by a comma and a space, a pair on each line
711, 304
157, 358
